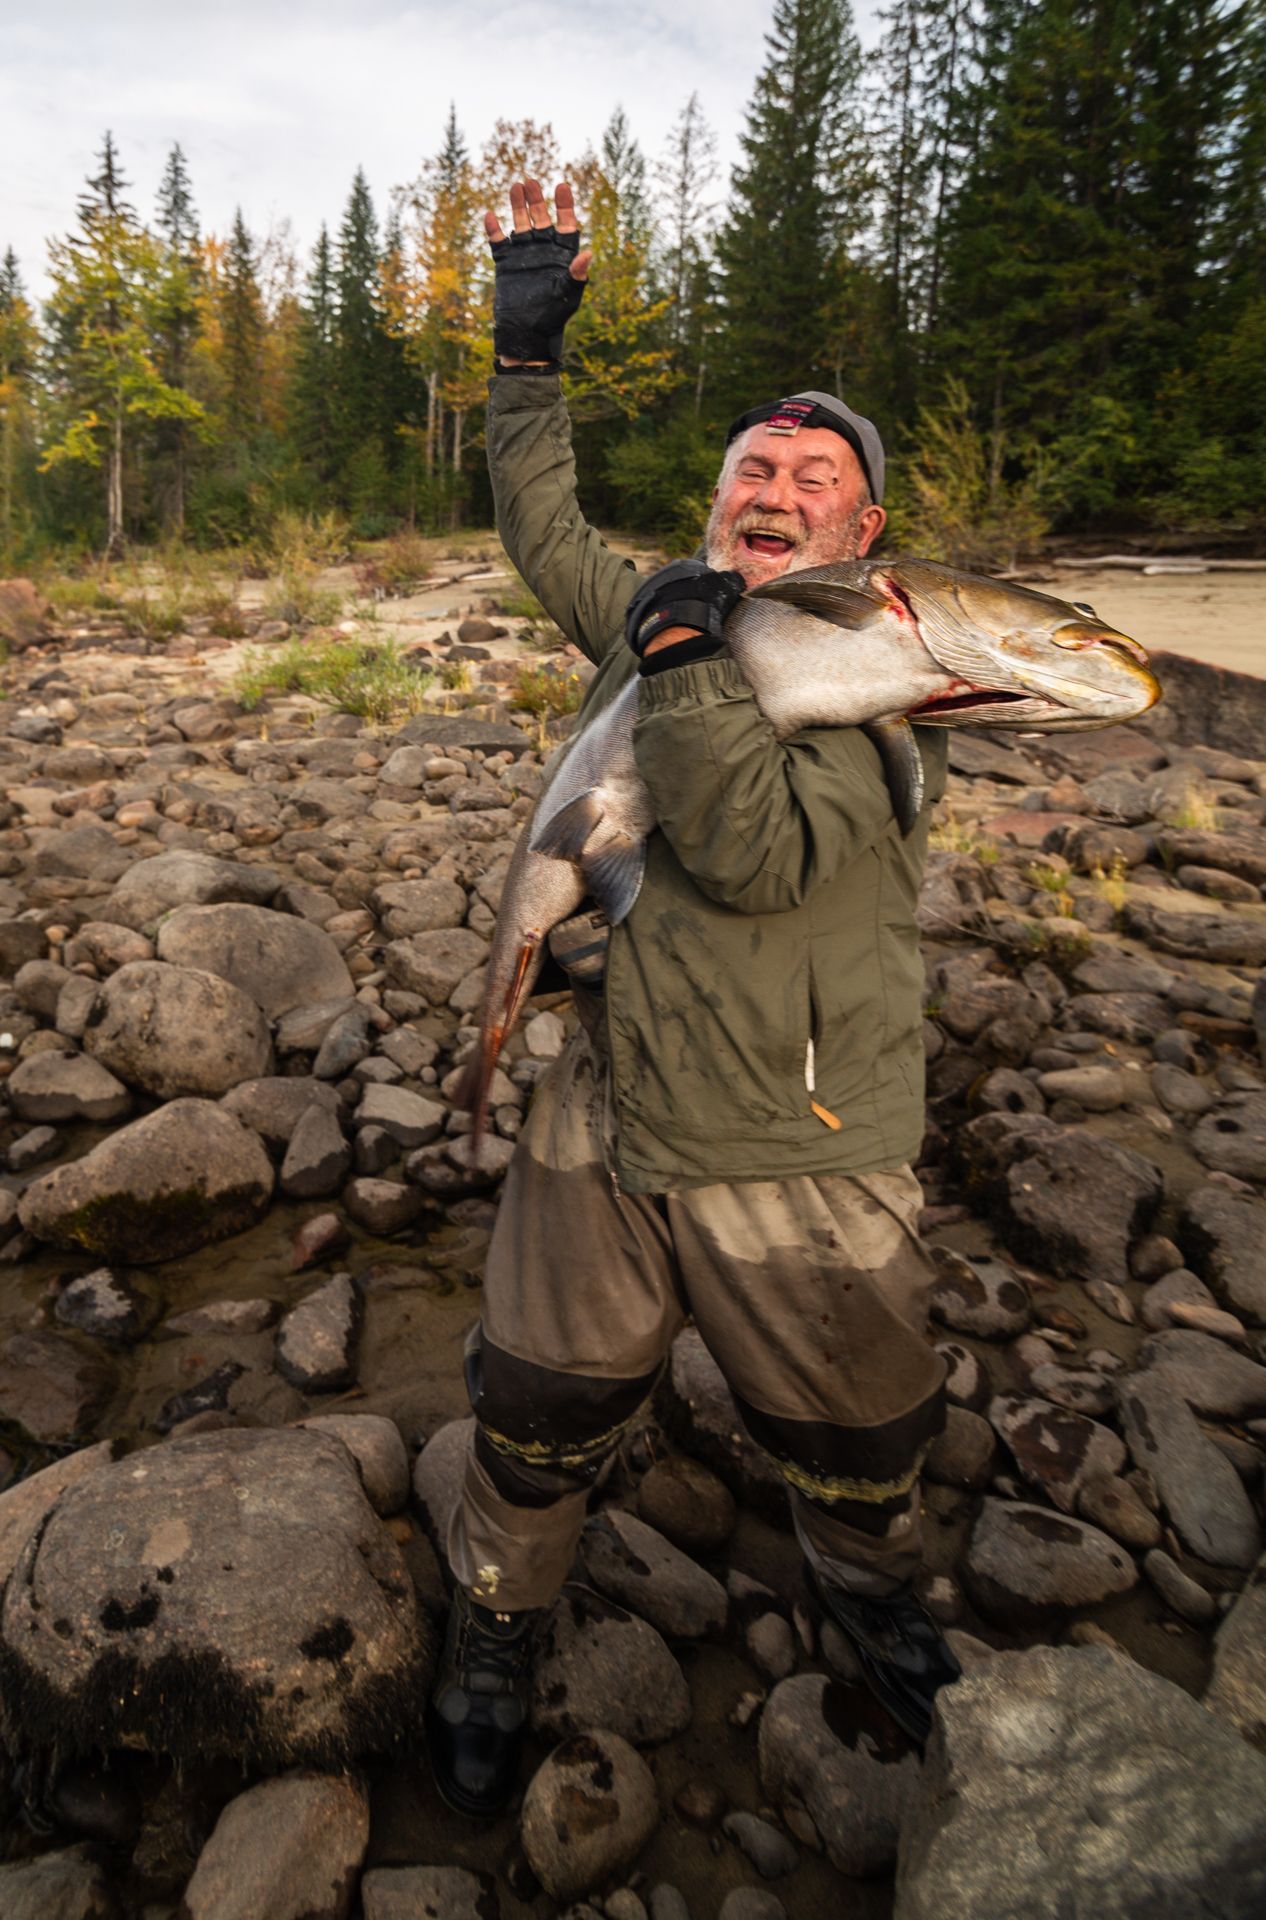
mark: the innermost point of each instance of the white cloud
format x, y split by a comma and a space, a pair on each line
276, 106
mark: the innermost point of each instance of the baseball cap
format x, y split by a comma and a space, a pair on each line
821, 410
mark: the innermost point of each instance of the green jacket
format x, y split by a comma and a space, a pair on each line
779, 900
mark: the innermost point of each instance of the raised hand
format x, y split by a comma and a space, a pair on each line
540, 275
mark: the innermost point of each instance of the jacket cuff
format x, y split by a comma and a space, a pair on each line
699, 679
513, 392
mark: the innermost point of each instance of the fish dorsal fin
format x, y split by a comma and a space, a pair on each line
563, 834
903, 767
842, 606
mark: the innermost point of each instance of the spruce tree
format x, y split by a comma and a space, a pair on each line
684, 177
359, 342
798, 203
242, 329
313, 404
177, 324
19, 346
624, 166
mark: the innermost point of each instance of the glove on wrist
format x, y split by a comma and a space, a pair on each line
534, 295
683, 594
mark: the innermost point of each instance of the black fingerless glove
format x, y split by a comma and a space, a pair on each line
684, 594
534, 295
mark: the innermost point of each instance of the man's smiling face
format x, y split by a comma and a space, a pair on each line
789, 500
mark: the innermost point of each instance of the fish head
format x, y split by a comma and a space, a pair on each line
1017, 659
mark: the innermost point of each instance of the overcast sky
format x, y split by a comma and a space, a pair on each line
276, 105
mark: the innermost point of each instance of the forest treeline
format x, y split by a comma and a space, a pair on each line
1027, 236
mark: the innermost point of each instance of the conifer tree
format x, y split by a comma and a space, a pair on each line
177, 322
685, 176
624, 167
104, 374
359, 337
798, 203
242, 326
313, 406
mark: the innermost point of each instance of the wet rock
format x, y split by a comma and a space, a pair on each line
23, 1507
771, 1646
97, 1802
318, 1239
1026, 1565
688, 1504
631, 1563
963, 1454
274, 1106
1073, 1204
290, 1848
432, 964
105, 1306
225, 1316
699, 1802
277, 959
831, 1749
1198, 1487
1081, 1389
208, 1396
149, 1609
316, 1340
979, 1296
438, 1473
65, 1086
1010, 1815
32, 1149
179, 1178
1097, 1089
1207, 1373
409, 1119
751, 1903
382, 1206
1112, 1504
1232, 1139
51, 1387
967, 1382
771, 1853
1055, 1449
1183, 1595
428, 1893
1221, 1234
599, 1666
375, 1444
151, 888
67, 1885
175, 1031
588, 1812
318, 1158
1237, 1689
1110, 1299
1178, 1288
1180, 1092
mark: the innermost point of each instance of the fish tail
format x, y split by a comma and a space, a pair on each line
472, 1092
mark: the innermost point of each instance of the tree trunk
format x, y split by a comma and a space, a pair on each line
6, 466
459, 420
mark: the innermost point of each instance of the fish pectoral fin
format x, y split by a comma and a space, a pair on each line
849, 607
564, 834
613, 874
903, 767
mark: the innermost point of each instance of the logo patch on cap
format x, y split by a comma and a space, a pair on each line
789, 416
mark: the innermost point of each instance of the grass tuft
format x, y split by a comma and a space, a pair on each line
377, 682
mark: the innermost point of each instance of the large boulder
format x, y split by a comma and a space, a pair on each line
1237, 1689
177, 1030
276, 959
151, 888
174, 1180
1068, 1781
230, 1593
1025, 1565
1074, 1203
1221, 1234
1198, 1487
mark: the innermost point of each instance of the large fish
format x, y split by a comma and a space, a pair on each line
868, 643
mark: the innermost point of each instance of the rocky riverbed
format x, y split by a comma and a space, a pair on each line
241, 1236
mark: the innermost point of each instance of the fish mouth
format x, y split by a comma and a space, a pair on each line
975, 697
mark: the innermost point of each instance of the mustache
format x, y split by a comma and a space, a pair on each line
786, 525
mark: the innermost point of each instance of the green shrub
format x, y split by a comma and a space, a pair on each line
546, 691
395, 566
377, 681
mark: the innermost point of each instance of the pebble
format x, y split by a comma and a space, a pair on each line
979, 1296
1025, 1565
751, 1903
631, 1563
316, 1340
1178, 1590
588, 1812
1113, 1504
428, 1893
700, 1803
771, 1853
771, 1644
688, 1504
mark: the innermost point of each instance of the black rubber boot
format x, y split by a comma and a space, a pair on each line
479, 1707
904, 1657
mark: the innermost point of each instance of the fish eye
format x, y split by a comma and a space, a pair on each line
1080, 606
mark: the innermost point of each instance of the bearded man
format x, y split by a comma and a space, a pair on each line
728, 1137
